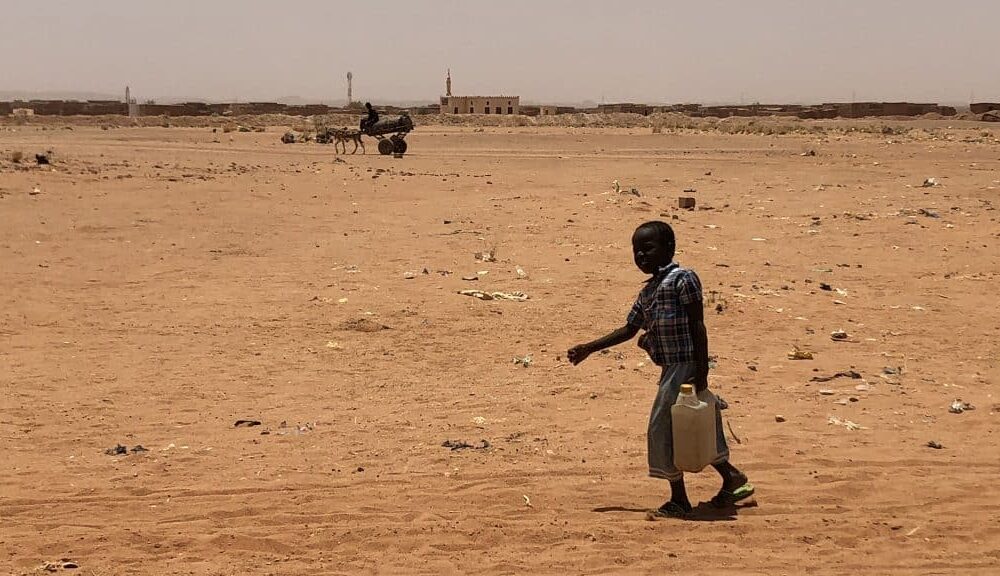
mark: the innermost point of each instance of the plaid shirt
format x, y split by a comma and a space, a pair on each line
660, 311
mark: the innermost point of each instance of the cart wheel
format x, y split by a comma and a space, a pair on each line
385, 146
399, 146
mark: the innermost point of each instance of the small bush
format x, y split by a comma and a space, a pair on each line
16, 156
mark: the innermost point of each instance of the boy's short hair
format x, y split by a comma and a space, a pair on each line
662, 230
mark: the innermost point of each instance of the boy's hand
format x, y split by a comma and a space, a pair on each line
701, 378
579, 353
701, 382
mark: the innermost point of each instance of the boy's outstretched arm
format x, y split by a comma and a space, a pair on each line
696, 323
579, 353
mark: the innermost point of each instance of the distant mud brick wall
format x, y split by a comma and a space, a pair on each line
983, 107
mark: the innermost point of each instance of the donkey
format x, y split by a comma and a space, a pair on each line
342, 135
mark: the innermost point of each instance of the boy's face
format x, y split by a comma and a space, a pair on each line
649, 251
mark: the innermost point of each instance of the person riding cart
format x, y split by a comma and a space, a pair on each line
371, 119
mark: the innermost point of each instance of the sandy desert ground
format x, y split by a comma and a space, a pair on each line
159, 284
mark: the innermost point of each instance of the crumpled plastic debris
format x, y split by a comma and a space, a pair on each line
515, 296
462, 445
957, 407
523, 360
487, 255
800, 354
845, 374
64, 564
845, 423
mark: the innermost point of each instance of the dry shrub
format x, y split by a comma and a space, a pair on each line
16, 156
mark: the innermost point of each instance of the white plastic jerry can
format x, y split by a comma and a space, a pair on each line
693, 430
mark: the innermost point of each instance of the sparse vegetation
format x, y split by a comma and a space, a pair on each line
16, 156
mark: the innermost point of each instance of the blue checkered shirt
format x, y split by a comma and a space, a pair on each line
660, 311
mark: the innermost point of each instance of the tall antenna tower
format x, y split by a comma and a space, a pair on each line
350, 88
131, 106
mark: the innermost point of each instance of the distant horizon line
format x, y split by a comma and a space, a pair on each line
69, 95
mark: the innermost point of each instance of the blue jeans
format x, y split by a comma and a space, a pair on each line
660, 437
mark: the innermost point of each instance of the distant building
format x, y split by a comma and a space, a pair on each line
548, 110
624, 108
503, 105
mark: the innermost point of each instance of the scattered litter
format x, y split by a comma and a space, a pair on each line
42, 159
409, 275
825, 286
839, 335
845, 374
759, 239
845, 423
957, 407
808, 153
334, 345
827, 392
930, 213
246, 423
487, 255
64, 564
523, 361
686, 202
779, 418
479, 421
934, 445
527, 501
362, 325
929, 183
471, 278
863, 387
889, 370
912, 532
35, 191
521, 273
800, 354
120, 450
515, 296
462, 445
288, 138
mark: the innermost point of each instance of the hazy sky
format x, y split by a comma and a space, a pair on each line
542, 50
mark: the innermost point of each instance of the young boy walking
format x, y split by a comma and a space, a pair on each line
670, 312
